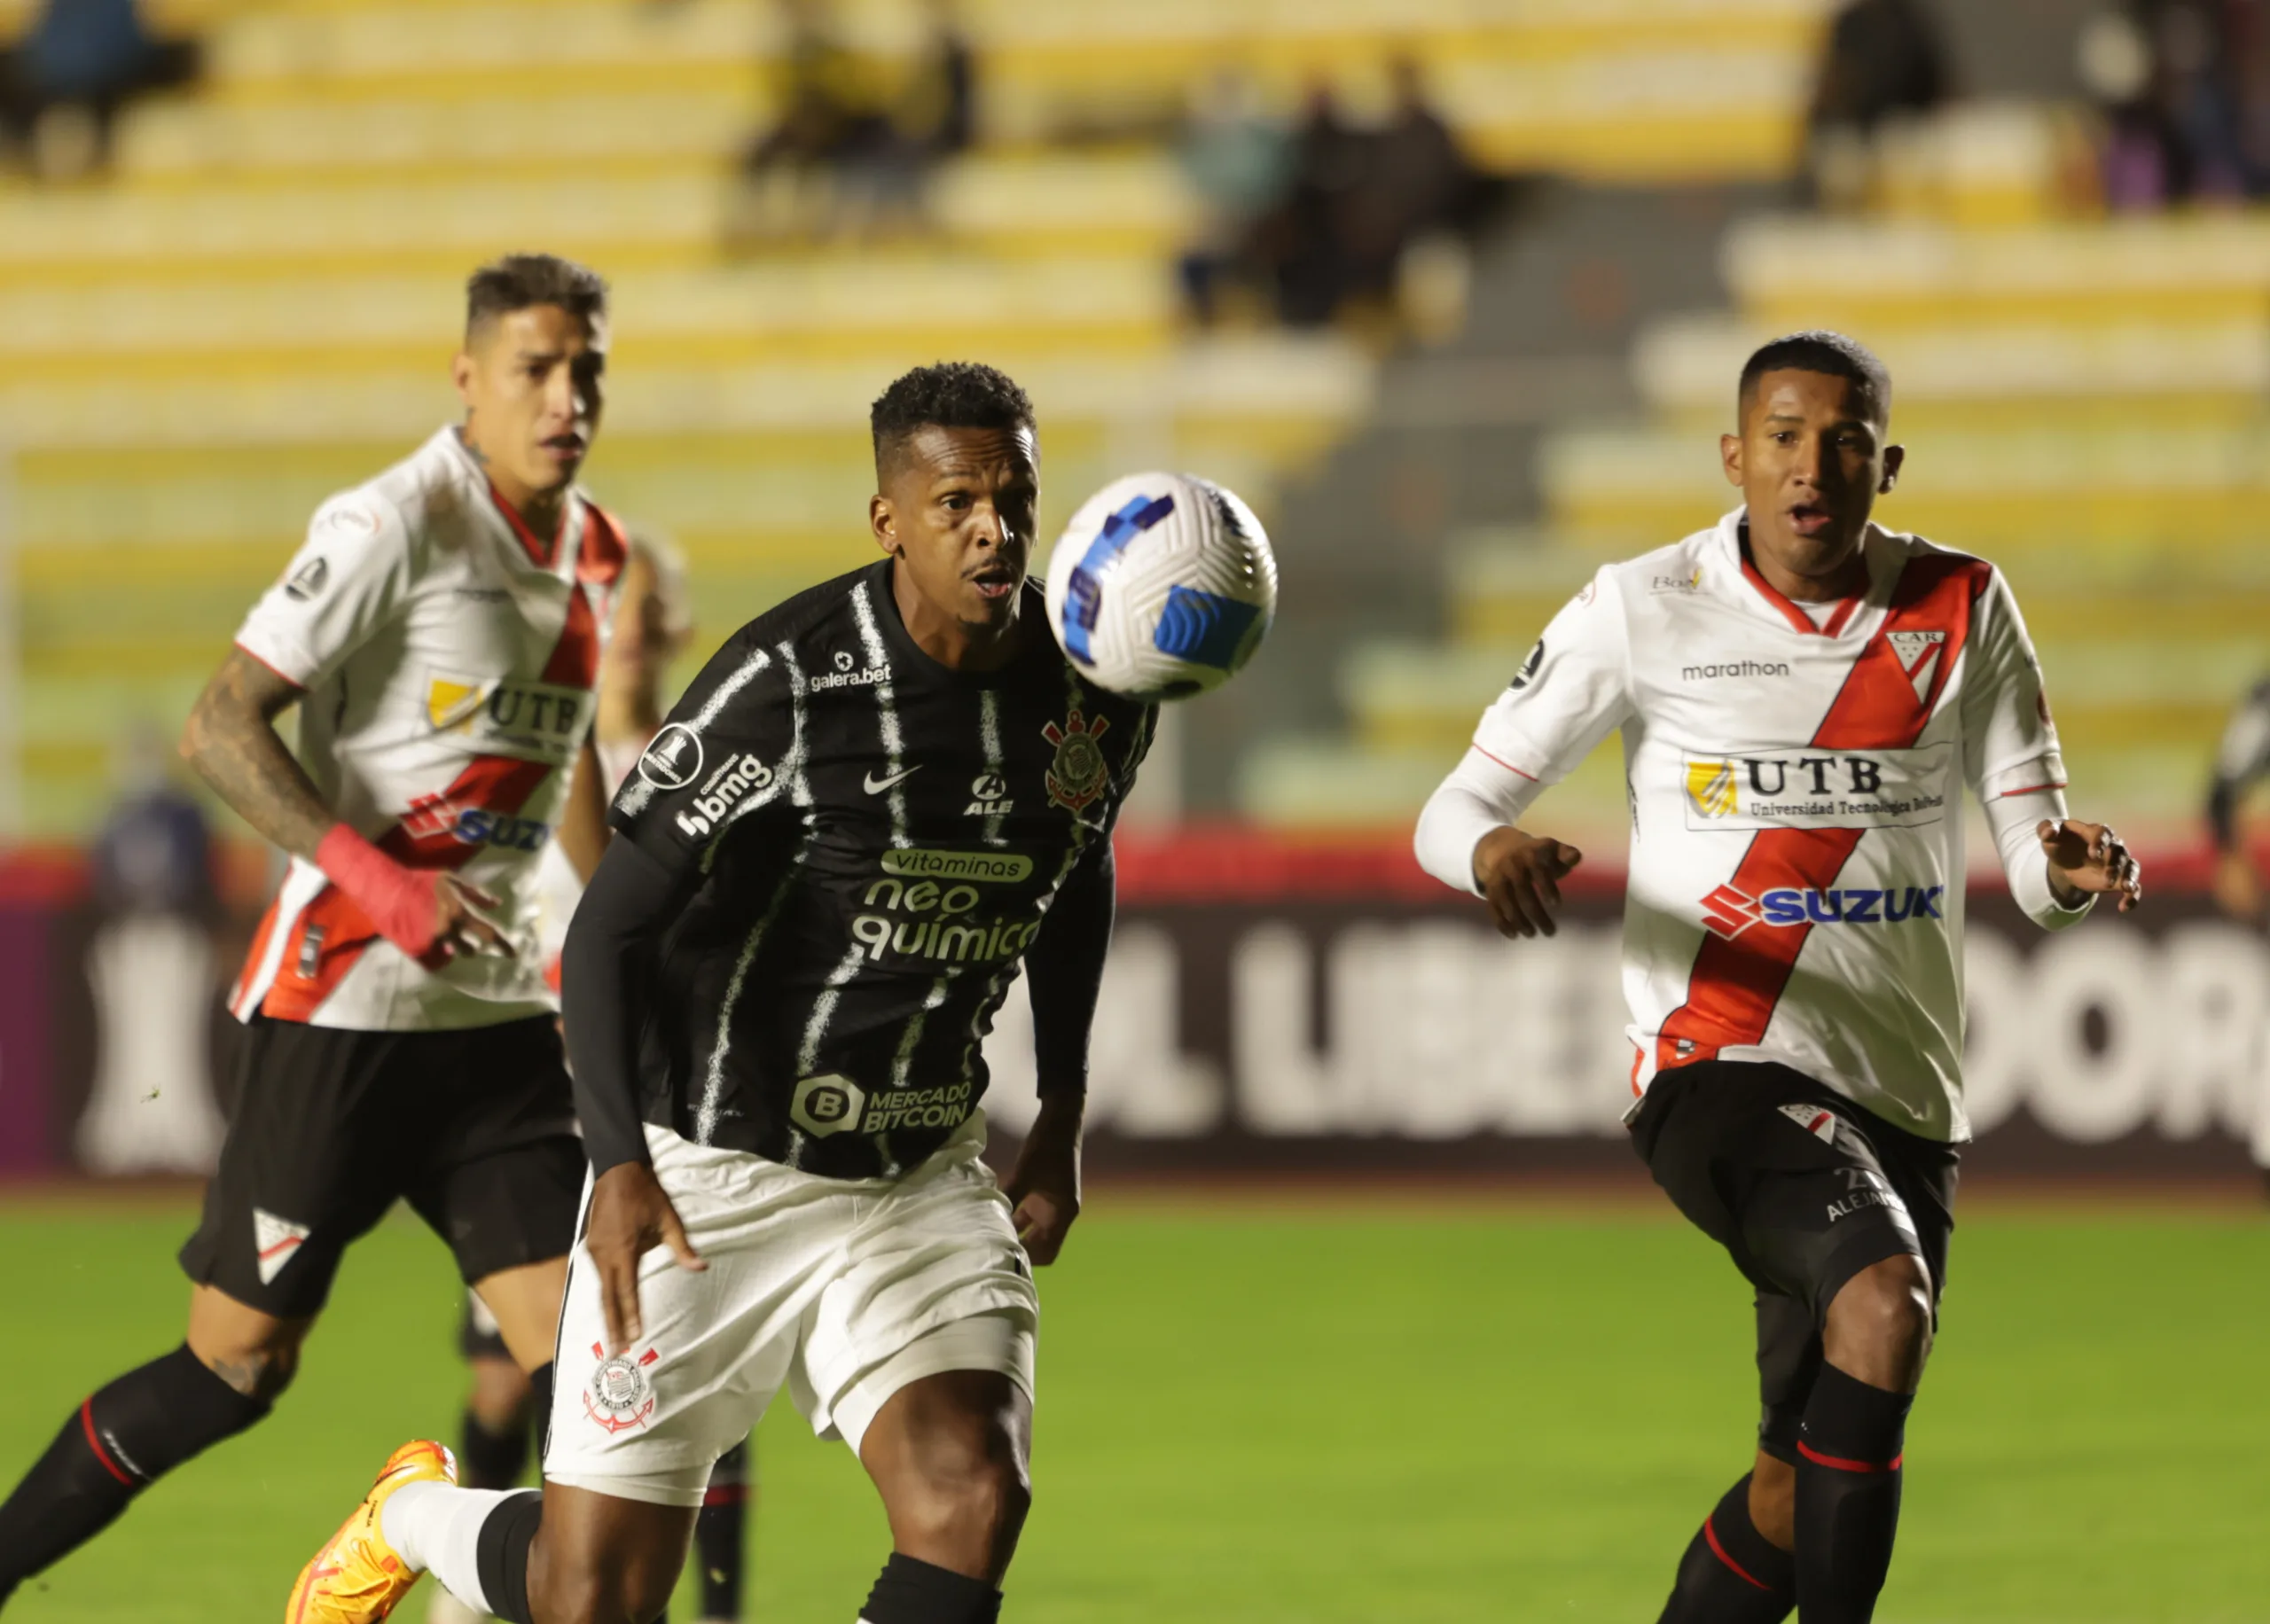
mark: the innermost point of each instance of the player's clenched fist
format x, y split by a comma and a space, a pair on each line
630, 1217
2088, 859
1520, 877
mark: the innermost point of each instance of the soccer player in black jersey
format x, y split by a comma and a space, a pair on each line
878, 800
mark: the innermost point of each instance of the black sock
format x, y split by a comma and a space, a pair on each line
492, 1460
1848, 1496
914, 1592
718, 1532
119, 1441
500, 1554
1731, 1573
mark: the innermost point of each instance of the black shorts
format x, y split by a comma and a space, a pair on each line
474, 1128
1804, 1190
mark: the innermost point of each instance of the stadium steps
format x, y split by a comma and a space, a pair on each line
255, 308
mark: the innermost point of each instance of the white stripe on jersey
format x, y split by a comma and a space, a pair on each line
637, 792
791, 774
886, 709
989, 725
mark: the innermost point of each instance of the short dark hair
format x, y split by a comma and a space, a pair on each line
519, 281
946, 394
1818, 350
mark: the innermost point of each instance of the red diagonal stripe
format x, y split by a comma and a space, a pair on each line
1843, 1465
87, 1420
1719, 1551
1737, 982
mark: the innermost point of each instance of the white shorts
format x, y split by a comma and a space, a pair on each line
846, 1289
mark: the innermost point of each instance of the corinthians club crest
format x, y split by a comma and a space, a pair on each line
619, 1397
1078, 775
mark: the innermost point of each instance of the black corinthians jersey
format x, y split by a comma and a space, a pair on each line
880, 840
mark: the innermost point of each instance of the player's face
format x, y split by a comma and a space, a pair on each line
532, 384
1811, 460
958, 513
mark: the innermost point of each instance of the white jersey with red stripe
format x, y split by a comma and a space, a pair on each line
1796, 889
451, 661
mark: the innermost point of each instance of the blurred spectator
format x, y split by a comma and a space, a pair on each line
1415, 181
1884, 59
61, 88
934, 119
1308, 244
152, 968
2184, 89
1238, 161
829, 114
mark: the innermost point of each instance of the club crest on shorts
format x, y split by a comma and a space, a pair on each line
277, 1241
619, 1396
1820, 1123
1078, 775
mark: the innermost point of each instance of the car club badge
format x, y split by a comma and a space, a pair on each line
1078, 775
619, 1397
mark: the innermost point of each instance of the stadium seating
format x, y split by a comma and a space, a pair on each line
2084, 402
256, 307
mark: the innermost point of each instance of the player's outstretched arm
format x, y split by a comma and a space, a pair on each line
1065, 967
2089, 859
232, 740
607, 963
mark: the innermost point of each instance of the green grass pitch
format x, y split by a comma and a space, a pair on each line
1323, 1416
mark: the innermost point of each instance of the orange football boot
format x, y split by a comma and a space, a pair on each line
357, 1578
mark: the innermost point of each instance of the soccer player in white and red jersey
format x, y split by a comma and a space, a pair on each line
440, 633
1802, 695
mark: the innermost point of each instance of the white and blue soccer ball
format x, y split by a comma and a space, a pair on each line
1161, 586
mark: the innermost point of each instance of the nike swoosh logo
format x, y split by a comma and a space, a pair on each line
876, 787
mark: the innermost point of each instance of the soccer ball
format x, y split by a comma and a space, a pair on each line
1161, 586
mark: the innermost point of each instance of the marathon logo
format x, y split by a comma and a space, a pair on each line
534, 722
1877, 789
739, 774
1728, 912
828, 1105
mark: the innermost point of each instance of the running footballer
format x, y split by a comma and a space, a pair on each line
878, 801
440, 635
1802, 695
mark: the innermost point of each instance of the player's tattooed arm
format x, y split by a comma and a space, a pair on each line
2089, 859
231, 741
1519, 874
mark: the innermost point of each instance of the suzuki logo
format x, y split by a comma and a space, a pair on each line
1728, 912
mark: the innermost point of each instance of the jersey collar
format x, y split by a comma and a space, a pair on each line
1734, 531
546, 555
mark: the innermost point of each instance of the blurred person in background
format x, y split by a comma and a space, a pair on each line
2183, 88
1306, 242
62, 86
502, 1426
1415, 181
439, 633
1883, 59
1238, 161
832, 116
2241, 763
935, 117
150, 967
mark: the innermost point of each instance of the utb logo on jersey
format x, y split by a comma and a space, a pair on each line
1078, 775
1729, 911
543, 721
1710, 785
